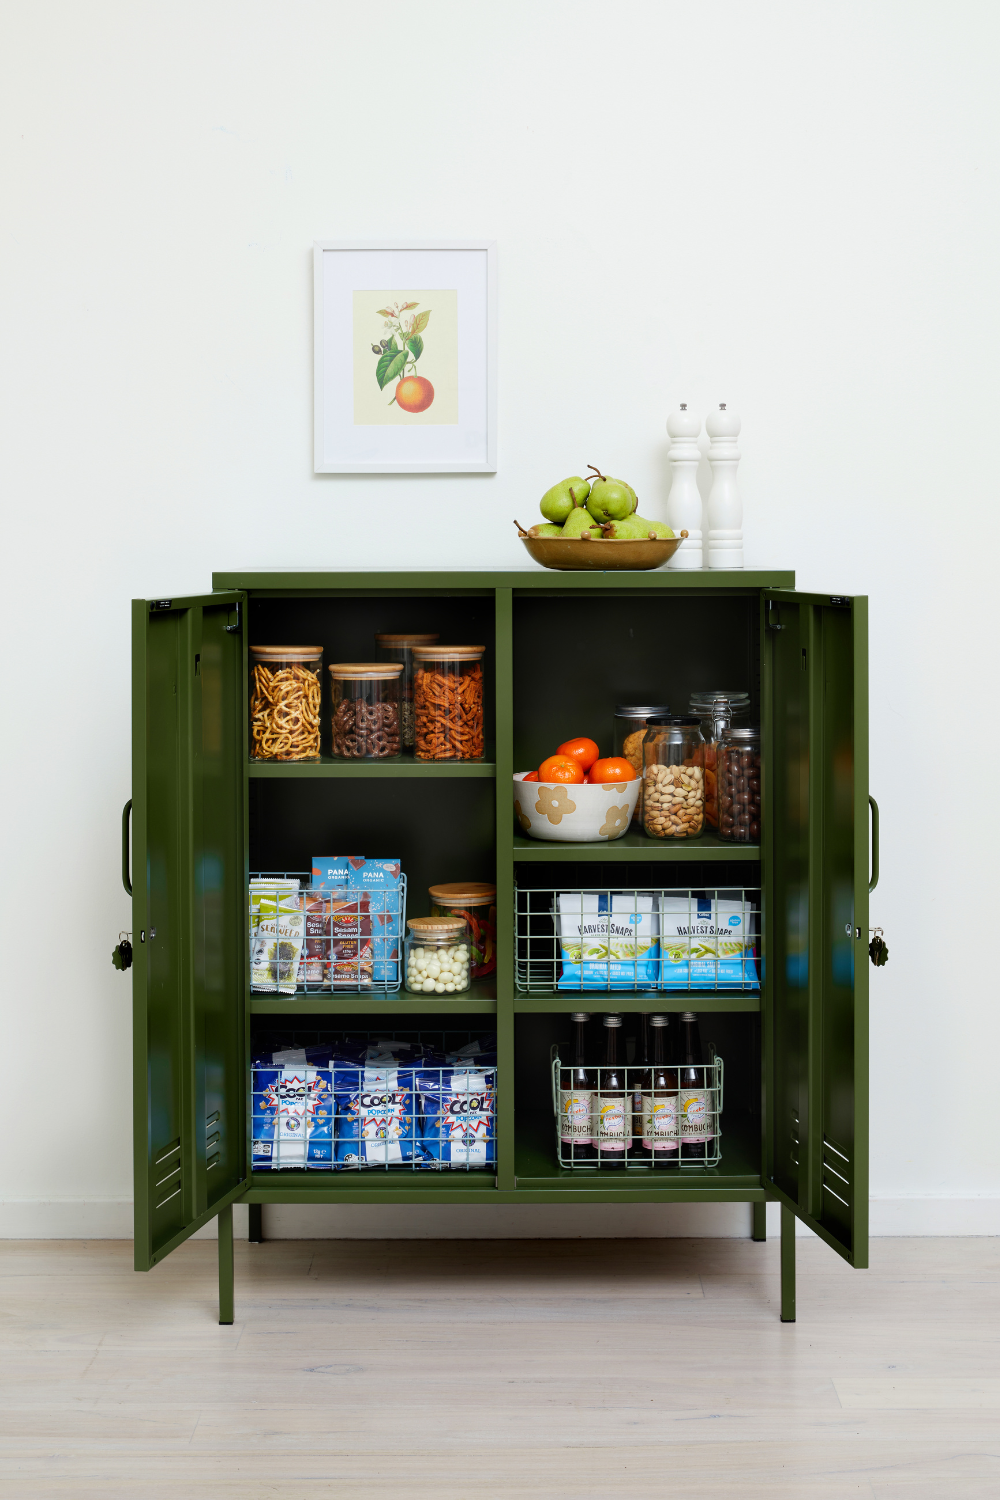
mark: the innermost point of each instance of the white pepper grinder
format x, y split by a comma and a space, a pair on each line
724, 507
684, 500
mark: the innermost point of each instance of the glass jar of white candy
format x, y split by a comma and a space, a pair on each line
437, 955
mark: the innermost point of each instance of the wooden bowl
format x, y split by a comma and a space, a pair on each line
574, 555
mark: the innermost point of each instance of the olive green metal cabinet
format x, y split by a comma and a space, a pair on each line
561, 650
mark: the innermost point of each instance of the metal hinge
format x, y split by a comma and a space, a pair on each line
232, 629
773, 623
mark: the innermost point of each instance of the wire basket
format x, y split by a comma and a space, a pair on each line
367, 1101
659, 1129
664, 938
314, 941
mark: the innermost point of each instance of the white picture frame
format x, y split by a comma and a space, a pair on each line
359, 428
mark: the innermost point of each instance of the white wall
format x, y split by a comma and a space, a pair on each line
789, 207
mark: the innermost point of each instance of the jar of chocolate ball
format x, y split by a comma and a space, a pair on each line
739, 785
437, 956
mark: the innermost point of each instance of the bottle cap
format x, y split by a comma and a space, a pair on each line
688, 1015
659, 1020
612, 1020
580, 1015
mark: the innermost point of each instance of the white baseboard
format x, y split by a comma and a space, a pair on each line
70, 1219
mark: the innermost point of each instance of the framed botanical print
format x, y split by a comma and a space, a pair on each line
405, 357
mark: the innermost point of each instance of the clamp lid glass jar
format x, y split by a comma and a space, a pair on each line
716, 708
448, 702
476, 902
285, 695
400, 648
437, 956
673, 805
738, 768
364, 710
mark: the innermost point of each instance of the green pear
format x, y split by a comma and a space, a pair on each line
545, 530
637, 529
564, 497
581, 522
609, 499
631, 491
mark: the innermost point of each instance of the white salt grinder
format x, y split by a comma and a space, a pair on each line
724, 506
684, 500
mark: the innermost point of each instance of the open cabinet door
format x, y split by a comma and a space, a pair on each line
188, 919
814, 709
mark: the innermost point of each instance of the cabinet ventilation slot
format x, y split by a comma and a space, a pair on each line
166, 1174
795, 1139
212, 1138
837, 1173
213, 1119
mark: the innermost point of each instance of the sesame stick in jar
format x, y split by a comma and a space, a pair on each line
448, 702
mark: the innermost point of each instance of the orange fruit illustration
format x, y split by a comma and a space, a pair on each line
414, 393
560, 768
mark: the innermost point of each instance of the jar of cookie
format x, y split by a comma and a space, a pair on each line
365, 718
630, 726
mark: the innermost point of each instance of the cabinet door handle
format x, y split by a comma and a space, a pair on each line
874, 807
126, 812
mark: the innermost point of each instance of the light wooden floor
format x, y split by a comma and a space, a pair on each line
400, 1370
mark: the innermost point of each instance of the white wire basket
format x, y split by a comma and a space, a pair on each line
637, 939
640, 1126
306, 940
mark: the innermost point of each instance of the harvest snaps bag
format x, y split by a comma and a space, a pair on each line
607, 945
707, 944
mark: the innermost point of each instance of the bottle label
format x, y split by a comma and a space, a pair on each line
613, 1119
575, 1110
659, 1122
696, 1117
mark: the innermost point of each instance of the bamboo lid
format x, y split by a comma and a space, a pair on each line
469, 893
436, 926
347, 670
447, 653
287, 653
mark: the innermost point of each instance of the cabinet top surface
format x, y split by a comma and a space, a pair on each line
308, 580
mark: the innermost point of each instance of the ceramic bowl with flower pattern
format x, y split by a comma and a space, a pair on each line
574, 814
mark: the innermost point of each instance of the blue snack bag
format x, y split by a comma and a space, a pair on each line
376, 1118
458, 1116
607, 943
708, 944
292, 1121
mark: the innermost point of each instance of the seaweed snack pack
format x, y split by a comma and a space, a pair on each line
381, 880
707, 944
277, 925
607, 944
458, 1116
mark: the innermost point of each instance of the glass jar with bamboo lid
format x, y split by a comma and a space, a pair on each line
285, 697
364, 710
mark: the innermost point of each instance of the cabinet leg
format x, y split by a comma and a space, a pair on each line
787, 1265
758, 1228
227, 1271
256, 1223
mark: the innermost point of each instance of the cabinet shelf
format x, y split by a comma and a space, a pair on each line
326, 767
536, 1165
480, 1000
658, 1001
636, 846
